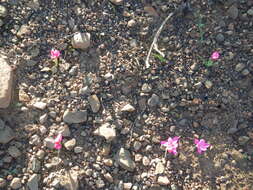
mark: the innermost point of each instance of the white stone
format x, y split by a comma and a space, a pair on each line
106, 131
117, 2
6, 80
163, 180
81, 40
128, 108
40, 105
15, 183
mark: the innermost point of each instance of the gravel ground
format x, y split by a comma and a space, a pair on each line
113, 111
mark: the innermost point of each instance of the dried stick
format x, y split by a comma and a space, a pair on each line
156, 38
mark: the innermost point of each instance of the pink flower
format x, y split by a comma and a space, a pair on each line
215, 55
171, 144
57, 142
55, 54
201, 145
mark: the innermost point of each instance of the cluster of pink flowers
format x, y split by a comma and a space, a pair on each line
55, 54
57, 142
172, 143
215, 55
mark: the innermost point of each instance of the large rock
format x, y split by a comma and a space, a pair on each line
81, 40
6, 133
123, 158
74, 116
106, 131
6, 79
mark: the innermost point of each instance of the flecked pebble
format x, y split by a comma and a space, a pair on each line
233, 12
78, 149
6, 80
108, 162
94, 103
16, 183
81, 40
106, 131
131, 23
3, 11
128, 108
123, 158
159, 169
154, 100
35, 165
163, 180
100, 183
117, 2
40, 154
14, 151
40, 105
250, 12
2, 182
127, 186
70, 144
137, 145
33, 182
71, 117
208, 84
145, 161
146, 88
49, 142
245, 72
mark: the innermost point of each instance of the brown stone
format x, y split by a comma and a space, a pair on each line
6, 79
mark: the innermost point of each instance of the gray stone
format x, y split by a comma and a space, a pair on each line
1, 22
250, 12
163, 180
64, 130
40, 105
15, 183
220, 37
23, 30
14, 151
94, 103
108, 177
74, 116
3, 11
232, 130
69, 145
233, 12
245, 72
154, 100
117, 2
35, 165
145, 161
137, 145
33, 182
70, 180
85, 91
73, 70
243, 140
81, 40
239, 67
174, 187
128, 108
43, 118
106, 131
6, 80
6, 133
123, 158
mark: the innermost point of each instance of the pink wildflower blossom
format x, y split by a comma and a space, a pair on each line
171, 144
57, 142
55, 54
215, 55
201, 145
